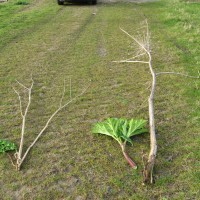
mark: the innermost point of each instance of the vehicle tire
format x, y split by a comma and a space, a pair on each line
94, 2
60, 2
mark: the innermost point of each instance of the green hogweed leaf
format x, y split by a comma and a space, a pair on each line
7, 146
120, 129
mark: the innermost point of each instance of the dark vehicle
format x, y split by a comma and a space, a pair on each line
91, 2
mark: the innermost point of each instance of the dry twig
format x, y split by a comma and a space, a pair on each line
145, 46
153, 151
18, 155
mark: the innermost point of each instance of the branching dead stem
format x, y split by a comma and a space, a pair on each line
23, 114
177, 73
146, 48
18, 155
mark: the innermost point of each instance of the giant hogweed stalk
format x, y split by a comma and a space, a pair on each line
20, 155
121, 130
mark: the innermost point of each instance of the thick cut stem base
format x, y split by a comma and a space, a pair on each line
148, 170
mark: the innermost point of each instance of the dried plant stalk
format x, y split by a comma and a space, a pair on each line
19, 156
148, 171
146, 50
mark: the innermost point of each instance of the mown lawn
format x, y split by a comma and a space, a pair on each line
79, 41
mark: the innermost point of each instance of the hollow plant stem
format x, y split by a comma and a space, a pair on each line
129, 160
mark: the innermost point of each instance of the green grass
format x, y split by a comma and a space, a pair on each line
69, 162
19, 18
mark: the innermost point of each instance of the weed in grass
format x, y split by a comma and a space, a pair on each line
6, 146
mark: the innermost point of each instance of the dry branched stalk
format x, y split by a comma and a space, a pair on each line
19, 156
146, 50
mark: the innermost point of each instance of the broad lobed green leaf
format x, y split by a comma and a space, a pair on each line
136, 127
120, 129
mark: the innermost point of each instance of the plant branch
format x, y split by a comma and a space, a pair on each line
148, 170
22, 85
153, 143
19, 153
139, 43
70, 87
49, 120
130, 58
63, 94
177, 73
129, 61
20, 102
